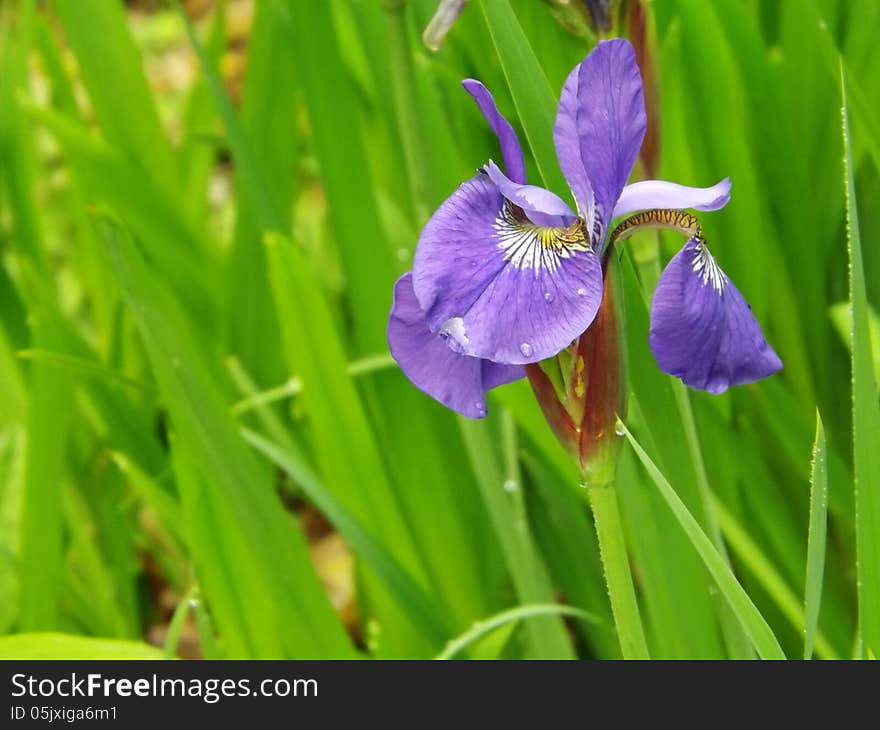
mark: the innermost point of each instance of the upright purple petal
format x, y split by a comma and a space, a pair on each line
650, 194
599, 128
457, 381
498, 286
702, 330
511, 152
541, 206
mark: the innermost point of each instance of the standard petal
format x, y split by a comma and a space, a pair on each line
599, 128
702, 329
459, 382
498, 286
541, 206
511, 152
650, 194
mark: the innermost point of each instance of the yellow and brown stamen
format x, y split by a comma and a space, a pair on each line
673, 220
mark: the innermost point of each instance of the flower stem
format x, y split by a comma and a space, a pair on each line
618, 578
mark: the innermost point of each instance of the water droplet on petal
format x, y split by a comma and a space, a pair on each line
509, 486
582, 292
526, 349
481, 407
548, 296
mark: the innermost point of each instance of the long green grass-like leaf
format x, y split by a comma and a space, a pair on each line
347, 454
546, 638
339, 147
408, 593
41, 557
111, 609
81, 366
754, 560
268, 113
840, 317
487, 626
16, 158
866, 417
285, 611
534, 99
753, 622
112, 70
253, 184
66, 646
816, 538
107, 177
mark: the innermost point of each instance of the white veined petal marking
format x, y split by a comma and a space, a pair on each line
529, 246
704, 264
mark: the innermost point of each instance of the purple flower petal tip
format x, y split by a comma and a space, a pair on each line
702, 329
649, 194
511, 152
457, 381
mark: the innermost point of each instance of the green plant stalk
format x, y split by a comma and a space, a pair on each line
406, 103
618, 578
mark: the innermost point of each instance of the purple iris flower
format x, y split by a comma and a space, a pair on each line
506, 274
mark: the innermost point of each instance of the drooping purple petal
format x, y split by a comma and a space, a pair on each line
499, 287
599, 128
650, 194
702, 329
511, 152
496, 374
541, 206
457, 381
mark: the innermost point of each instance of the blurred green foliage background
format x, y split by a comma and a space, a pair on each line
205, 449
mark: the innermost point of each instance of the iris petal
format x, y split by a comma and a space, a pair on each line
497, 285
457, 381
650, 194
541, 206
511, 151
599, 128
702, 329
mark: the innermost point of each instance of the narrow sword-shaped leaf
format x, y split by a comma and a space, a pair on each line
866, 416
757, 562
407, 591
753, 622
487, 626
535, 101
224, 478
816, 538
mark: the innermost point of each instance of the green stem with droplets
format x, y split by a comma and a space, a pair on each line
618, 577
